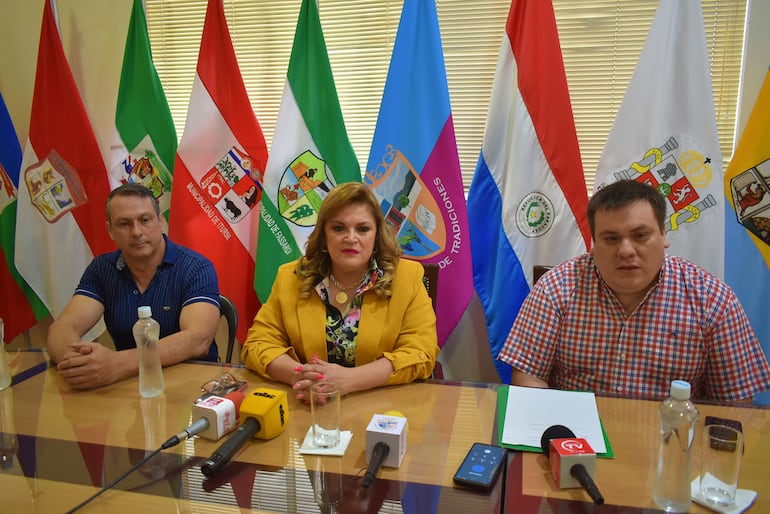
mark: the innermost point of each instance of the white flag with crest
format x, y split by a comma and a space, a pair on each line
665, 134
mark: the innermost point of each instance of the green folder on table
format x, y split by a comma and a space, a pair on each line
502, 406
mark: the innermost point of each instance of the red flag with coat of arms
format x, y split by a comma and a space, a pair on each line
218, 171
63, 184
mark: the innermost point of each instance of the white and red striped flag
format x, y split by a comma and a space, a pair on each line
63, 184
218, 171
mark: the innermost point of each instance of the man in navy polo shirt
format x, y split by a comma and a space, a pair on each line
147, 269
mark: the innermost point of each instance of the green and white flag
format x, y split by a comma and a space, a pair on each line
144, 144
20, 307
310, 153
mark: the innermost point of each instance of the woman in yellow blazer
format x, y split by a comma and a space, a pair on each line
351, 311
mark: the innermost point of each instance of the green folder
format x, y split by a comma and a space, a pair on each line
502, 405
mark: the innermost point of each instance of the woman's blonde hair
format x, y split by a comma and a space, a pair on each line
316, 263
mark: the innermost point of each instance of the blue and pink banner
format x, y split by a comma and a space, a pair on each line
414, 168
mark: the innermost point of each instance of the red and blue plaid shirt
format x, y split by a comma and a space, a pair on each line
573, 333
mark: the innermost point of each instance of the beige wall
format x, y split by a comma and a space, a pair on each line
757, 59
99, 26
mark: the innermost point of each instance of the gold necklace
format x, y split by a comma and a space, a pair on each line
342, 296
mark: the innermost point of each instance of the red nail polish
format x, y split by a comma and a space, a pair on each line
320, 376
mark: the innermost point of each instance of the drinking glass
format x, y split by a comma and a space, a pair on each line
325, 412
721, 464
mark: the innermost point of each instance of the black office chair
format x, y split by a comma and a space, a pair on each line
538, 271
430, 279
228, 310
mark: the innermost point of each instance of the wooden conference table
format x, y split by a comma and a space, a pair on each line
59, 446
626, 481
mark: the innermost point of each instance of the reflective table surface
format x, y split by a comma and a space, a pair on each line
626, 481
60, 446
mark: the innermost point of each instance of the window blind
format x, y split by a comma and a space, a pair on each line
601, 41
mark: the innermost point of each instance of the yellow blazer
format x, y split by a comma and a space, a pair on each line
401, 328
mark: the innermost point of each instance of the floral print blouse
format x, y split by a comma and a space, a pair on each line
342, 329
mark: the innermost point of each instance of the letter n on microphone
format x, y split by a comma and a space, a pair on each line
566, 453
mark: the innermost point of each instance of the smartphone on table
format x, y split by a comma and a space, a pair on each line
481, 466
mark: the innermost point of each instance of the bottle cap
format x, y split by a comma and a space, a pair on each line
145, 311
680, 389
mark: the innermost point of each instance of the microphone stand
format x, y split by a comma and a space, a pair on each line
173, 441
114, 482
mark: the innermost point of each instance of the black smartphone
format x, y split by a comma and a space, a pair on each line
725, 435
481, 466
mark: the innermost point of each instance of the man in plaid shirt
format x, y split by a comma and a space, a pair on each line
627, 319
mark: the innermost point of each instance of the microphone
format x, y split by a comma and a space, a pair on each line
264, 412
385, 433
379, 454
216, 417
566, 452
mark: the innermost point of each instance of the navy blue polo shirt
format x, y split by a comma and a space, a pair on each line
184, 277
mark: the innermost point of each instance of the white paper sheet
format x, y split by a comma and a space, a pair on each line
530, 411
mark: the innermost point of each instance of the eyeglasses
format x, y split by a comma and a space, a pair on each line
227, 383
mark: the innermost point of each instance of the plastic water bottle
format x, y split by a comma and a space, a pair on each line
6, 377
146, 335
678, 416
